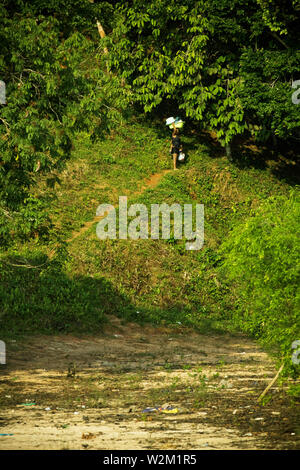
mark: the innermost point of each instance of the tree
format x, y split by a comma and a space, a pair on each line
219, 60
55, 87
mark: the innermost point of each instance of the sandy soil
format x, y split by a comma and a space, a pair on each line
91, 392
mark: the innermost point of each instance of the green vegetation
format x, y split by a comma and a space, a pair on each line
156, 280
55, 88
227, 64
81, 128
261, 260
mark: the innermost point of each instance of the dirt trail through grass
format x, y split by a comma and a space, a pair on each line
147, 184
65, 392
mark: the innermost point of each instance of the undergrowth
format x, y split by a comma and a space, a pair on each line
144, 280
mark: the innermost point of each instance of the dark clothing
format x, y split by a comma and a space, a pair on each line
176, 144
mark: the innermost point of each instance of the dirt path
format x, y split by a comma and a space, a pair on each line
65, 392
147, 183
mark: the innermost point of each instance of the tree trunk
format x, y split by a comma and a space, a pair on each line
102, 35
274, 140
101, 31
228, 151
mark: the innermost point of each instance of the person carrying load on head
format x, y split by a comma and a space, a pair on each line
176, 146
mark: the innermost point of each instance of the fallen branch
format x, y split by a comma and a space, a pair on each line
27, 265
6, 125
271, 384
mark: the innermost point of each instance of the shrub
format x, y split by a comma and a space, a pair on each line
261, 260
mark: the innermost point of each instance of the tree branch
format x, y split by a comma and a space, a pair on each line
6, 125
28, 266
272, 383
278, 39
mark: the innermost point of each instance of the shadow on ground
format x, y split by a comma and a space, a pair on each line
39, 296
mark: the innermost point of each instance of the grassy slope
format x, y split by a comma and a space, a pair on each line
143, 280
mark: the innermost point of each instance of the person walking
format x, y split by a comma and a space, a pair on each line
176, 146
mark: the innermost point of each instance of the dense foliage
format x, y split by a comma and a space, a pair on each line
229, 67
56, 85
261, 263
227, 64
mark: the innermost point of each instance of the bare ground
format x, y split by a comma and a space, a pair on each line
90, 392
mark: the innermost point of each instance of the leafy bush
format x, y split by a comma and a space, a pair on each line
261, 260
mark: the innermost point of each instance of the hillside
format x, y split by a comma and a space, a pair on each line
128, 283
162, 281
78, 285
